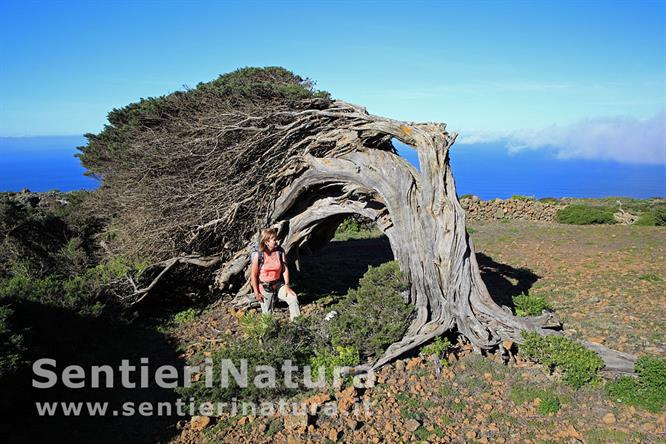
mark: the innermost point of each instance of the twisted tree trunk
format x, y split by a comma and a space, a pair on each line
417, 210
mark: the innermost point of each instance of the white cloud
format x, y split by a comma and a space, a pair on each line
620, 139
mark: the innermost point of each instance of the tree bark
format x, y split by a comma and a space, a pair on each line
417, 210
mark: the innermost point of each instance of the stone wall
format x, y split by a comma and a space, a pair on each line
497, 209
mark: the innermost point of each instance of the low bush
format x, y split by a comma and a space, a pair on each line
11, 342
356, 227
648, 390
521, 197
255, 326
549, 402
530, 305
650, 277
327, 360
580, 365
40, 240
185, 316
26, 301
437, 347
653, 218
278, 343
77, 294
85, 293
370, 318
374, 315
585, 215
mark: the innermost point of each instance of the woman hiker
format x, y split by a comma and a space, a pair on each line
270, 275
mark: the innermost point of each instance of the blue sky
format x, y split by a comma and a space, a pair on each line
591, 73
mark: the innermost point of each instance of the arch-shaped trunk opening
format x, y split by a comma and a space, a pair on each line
336, 266
308, 215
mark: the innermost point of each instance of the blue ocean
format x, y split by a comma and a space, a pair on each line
487, 170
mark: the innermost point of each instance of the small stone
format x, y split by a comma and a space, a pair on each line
413, 363
344, 404
348, 392
412, 425
609, 419
199, 422
333, 435
313, 402
400, 365
470, 435
296, 422
346, 398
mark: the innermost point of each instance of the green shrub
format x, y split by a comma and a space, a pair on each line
653, 218
374, 315
329, 360
550, 403
650, 277
77, 293
369, 319
255, 326
521, 197
27, 304
437, 347
356, 227
648, 390
11, 342
579, 364
185, 316
585, 215
43, 240
350, 224
549, 200
85, 293
530, 305
280, 342
651, 371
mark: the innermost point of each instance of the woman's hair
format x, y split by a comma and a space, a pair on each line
266, 234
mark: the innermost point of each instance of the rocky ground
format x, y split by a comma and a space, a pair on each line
605, 282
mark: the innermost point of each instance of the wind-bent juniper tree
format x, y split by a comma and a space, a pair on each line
188, 179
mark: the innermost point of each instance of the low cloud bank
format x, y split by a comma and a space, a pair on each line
620, 139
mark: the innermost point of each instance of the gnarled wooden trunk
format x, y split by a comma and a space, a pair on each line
417, 210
